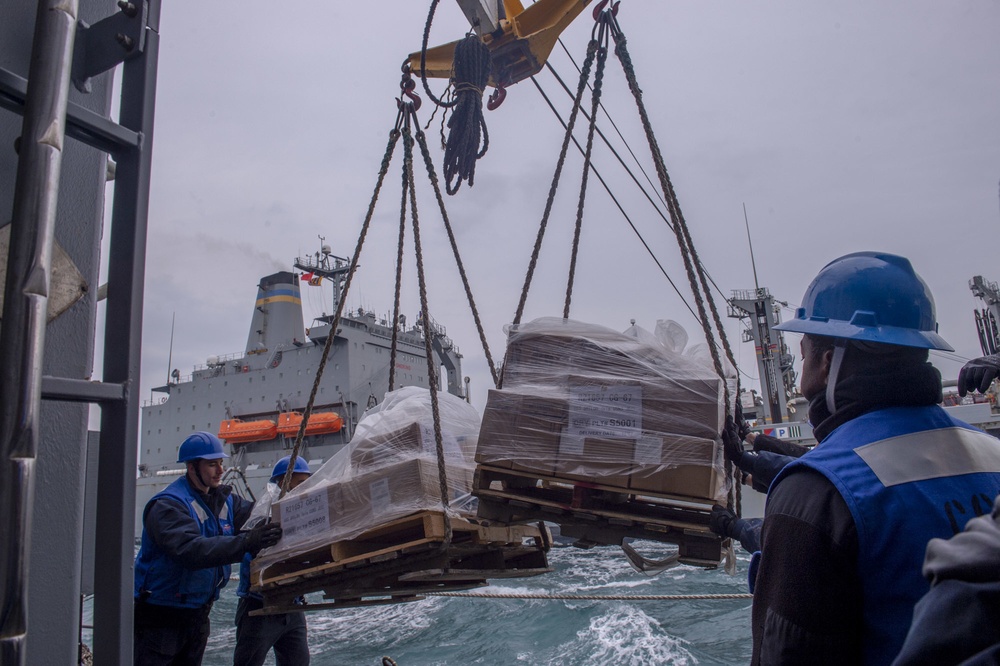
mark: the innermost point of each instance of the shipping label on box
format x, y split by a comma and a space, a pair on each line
305, 516
605, 411
648, 450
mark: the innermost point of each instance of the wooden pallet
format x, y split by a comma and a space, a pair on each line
401, 560
597, 514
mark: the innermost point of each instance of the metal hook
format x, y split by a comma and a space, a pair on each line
600, 8
497, 97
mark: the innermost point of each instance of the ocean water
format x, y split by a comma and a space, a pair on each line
449, 630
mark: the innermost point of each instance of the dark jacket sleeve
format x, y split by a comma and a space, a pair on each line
765, 468
173, 529
241, 510
807, 598
748, 533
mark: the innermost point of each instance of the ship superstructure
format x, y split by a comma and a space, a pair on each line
254, 399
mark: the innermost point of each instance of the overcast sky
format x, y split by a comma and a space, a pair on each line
841, 126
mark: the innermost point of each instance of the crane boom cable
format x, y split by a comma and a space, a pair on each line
688, 251
628, 170
617, 203
602, 58
591, 53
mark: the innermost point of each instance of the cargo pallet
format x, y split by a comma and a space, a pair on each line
596, 514
402, 560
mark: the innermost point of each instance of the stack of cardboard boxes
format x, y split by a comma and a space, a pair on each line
387, 472
584, 403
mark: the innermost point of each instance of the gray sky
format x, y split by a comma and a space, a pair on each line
842, 126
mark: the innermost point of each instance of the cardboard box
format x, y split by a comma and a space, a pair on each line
688, 466
627, 406
397, 490
521, 432
341, 510
370, 452
606, 461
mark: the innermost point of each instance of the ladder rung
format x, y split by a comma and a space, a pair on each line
81, 390
82, 124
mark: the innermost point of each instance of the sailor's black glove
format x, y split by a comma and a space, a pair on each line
978, 374
262, 536
723, 522
732, 442
741, 423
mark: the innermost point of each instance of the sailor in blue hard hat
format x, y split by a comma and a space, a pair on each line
845, 525
189, 541
285, 633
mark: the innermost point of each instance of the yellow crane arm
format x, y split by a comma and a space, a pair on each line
518, 47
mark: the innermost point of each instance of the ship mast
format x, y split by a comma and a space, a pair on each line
324, 265
774, 362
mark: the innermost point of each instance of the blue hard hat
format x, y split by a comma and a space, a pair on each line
201, 445
872, 297
301, 466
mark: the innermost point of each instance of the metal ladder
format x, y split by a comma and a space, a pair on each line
66, 50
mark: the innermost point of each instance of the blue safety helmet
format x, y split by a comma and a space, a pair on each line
201, 445
301, 466
871, 297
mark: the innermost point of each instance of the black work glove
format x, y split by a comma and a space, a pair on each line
741, 423
262, 536
731, 441
978, 374
723, 522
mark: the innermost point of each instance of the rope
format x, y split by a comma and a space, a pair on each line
423, 59
593, 597
602, 58
432, 175
426, 318
611, 194
692, 264
581, 86
467, 125
386, 158
399, 283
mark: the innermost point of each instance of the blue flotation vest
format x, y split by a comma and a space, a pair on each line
163, 581
907, 474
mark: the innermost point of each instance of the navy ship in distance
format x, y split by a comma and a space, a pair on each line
254, 400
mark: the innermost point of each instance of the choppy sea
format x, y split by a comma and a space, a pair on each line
451, 630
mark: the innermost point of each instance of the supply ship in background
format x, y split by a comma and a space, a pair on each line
254, 400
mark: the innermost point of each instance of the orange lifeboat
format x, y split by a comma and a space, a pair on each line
320, 423
235, 431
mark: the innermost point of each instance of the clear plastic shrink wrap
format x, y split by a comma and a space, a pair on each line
630, 410
388, 471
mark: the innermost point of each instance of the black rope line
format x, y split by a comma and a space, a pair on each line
642, 188
432, 175
423, 59
684, 241
621, 209
588, 62
393, 348
426, 319
602, 58
307, 412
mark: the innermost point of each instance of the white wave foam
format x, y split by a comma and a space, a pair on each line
624, 635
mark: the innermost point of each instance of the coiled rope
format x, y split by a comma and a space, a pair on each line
469, 76
593, 597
